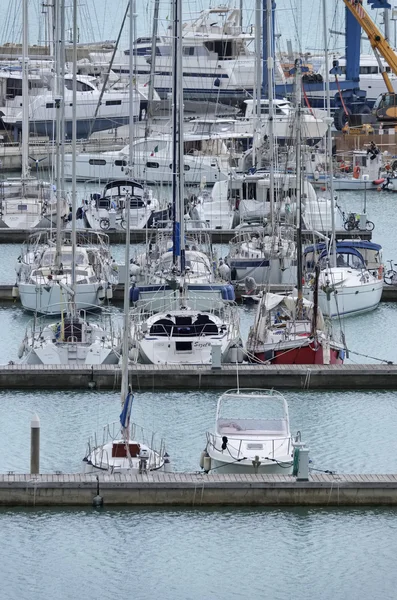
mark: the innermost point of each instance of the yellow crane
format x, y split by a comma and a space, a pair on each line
385, 107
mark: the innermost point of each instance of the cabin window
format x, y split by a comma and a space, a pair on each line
80, 86
49, 105
120, 163
152, 165
113, 102
188, 51
97, 161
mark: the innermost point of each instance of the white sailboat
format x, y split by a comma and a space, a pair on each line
123, 447
185, 331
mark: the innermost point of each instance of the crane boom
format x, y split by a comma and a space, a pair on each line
377, 40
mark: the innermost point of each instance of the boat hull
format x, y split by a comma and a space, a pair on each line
51, 300
302, 355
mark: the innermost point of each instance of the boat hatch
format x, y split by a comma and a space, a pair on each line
119, 450
254, 446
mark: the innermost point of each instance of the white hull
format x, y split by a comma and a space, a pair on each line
149, 169
52, 300
164, 351
246, 467
350, 299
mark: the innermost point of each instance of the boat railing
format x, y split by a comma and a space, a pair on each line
237, 453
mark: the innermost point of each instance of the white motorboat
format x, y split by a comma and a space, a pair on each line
107, 211
44, 279
218, 61
362, 170
73, 340
351, 287
95, 111
206, 158
259, 442
185, 335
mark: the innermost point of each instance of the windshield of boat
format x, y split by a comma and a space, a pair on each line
66, 258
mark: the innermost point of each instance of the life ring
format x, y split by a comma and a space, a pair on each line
380, 272
356, 172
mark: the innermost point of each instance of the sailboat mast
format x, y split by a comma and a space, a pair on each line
149, 112
58, 58
270, 52
298, 191
258, 87
126, 321
332, 249
25, 90
177, 141
74, 141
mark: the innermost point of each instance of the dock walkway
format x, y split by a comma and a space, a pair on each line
176, 377
197, 489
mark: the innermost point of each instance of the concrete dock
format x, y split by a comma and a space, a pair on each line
218, 236
175, 377
196, 489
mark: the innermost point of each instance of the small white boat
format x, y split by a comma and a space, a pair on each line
73, 340
258, 443
124, 449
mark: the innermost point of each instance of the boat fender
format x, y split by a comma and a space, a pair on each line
224, 442
207, 464
109, 292
21, 349
356, 172
202, 457
224, 292
230, 293
101, 293
134, 294
380, 272
378, 181
15, 292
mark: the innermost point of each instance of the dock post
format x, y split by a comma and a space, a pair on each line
35, 446
303, 464
216, 356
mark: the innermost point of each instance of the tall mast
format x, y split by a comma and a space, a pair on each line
126, 323
58, 102
177, 142
332, 249
74, 138
258, 86
25, 90
298, 191
149, 113
269, 38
